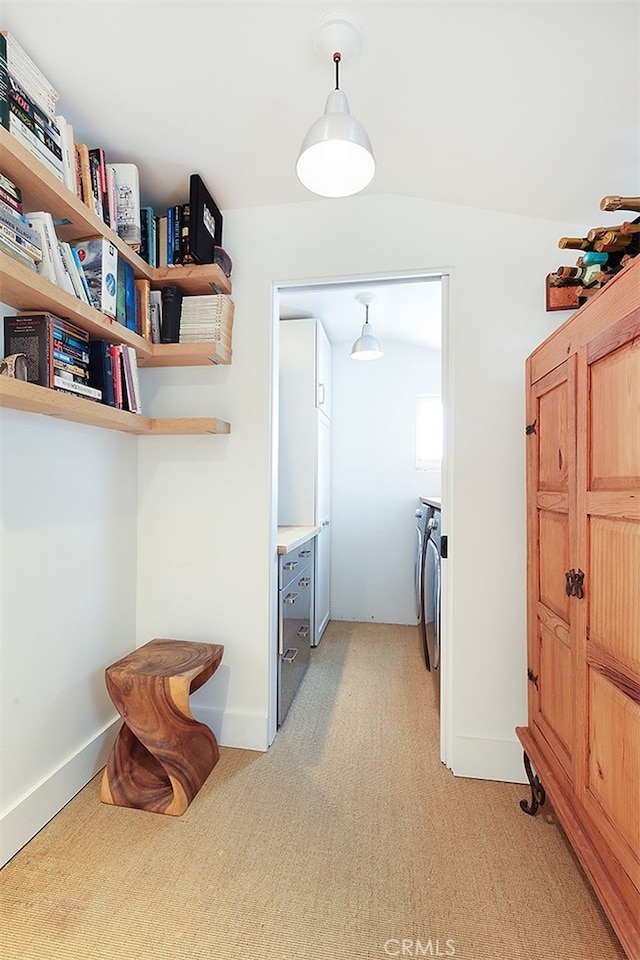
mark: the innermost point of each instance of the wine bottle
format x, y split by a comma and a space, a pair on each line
620, 203
575, 243
614, 241
591, 256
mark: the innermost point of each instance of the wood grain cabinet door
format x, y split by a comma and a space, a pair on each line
551, 464
609, 498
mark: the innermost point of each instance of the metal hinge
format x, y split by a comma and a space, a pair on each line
531, 428
531, 676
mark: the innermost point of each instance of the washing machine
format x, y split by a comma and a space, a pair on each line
431, 587
422, 514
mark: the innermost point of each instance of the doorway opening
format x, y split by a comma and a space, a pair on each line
377, 472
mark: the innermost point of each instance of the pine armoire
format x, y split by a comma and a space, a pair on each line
583, 586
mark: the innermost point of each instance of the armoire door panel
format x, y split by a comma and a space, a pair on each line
614, 767
556, 686
553, 454
613, 585
553, 534
615, 419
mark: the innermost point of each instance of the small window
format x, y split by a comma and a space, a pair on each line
428, 433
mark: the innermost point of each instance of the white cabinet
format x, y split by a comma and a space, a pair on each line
304, 467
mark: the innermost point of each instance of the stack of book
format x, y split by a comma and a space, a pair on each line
57, 352
17, 238
207, 319
113, 370
28, 105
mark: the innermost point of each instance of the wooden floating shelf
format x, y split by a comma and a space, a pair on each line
18, 395
186, 355
41, 190
27, 291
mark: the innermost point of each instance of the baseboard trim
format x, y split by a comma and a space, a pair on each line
483, 759
28, 815
246, 731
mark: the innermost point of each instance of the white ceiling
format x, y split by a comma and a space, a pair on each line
522, 107
408, 310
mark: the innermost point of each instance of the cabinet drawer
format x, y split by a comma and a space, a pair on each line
293, 562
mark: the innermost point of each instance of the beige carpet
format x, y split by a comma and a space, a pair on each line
348, 839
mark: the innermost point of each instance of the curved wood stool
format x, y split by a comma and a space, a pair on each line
162, 755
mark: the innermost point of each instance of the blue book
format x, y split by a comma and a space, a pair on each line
171, 231
129, 297
101, 370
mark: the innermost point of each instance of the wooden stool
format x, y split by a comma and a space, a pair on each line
162, 755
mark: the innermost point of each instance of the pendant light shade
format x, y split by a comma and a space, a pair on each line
366, 346
336, 158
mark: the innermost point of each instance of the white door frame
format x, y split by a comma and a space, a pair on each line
446, 662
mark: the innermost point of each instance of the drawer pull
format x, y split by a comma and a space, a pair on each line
304, 582
289, 655
290, 565
304, 632
305, 553
291, 597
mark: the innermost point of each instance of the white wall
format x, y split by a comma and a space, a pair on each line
67, 590
374, 482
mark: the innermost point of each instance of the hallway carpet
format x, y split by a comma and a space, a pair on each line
348, 839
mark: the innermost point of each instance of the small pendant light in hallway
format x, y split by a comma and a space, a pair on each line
366, 346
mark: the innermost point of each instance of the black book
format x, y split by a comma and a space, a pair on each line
101, 370
205, 221
171, 309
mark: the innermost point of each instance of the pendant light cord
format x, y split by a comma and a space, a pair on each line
336, 59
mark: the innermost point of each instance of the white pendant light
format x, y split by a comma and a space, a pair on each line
336, 158
366, 346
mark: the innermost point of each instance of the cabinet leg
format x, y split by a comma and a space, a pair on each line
538, 796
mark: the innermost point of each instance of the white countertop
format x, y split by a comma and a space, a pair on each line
432, 501
291, 537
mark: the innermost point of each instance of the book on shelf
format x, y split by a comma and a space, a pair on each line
171, 307
99, 259
207, 318
44, 127
11, 194
96, 181
131, 385
101, 370
148, 235
28, 123
52, 266
112, 197
67, 384
115, 349
29, 76
143, 308
68, 153
15, 228
4, 83
75, 271
128, 203
155, 308
126, 295
36, 335
205, 221
161, 235
87, 195
13, 250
